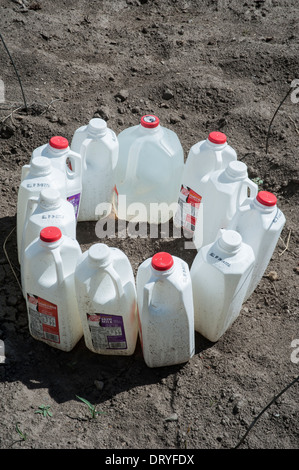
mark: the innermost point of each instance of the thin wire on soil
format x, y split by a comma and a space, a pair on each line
264, 409
7, 257
17, 74
280, 104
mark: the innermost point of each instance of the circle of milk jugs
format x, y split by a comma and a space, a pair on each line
98, 147
106, 296
48, 280
69, 162
220, 274
260, 222
48, 209
36, 176
148, 172
204, 158
165, 310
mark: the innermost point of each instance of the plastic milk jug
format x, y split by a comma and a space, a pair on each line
224, 192
98, 147
148, 173
165, 309
48, 209
260, 222
48, 275
36, 176
62, 157
220, 276
204, 157
106, 296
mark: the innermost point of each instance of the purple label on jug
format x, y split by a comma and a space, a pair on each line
75, 201
107, 331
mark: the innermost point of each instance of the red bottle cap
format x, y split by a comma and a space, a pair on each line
162, 261
150, 121
217, 137
50, 234
58, 142
266, 198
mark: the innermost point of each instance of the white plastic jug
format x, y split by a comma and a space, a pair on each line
260, 223
48, 209
223, 193
48, 275
165, 309
68, 161
204, 157
148, 173
98, 147
106, 296
36, 176
220, 276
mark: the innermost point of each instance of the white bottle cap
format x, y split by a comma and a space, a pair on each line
40, 166
237, 170
230, 241
99, 254
50, 198
97, 126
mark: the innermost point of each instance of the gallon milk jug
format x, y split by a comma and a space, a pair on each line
220, 276
98, 147
260, 223
106, 296
224, 192
148, 173
204, 157
36, 176
165, 309
48, 274
68, 161
48, 209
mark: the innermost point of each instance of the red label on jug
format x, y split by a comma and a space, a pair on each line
43, 318
188, 205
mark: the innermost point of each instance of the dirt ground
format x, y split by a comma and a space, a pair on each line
200, 66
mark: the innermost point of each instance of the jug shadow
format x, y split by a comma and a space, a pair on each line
67, 374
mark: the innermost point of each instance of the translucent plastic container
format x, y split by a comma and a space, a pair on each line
106, 295
69, 162
260, 222
48, 277
223, 193
36, 176
48, 209
148, 173
98, 147
220, 274
165, 308
204, 158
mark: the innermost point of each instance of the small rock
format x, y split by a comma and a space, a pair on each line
99, 384
172, 417
167, 94
122, 95
273, 276
102, 113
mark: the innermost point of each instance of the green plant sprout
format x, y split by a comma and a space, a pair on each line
258, 181
91, 407
21, 434
44, 410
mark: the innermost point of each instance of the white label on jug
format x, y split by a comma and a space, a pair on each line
75, 201
107, 331
187, 212
43, 318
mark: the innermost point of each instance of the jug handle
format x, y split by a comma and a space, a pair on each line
115, 279
83, 152
218, 164
24, 171
76, 166
147, 294
253, 192
31, 206
58, 265
132, 160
